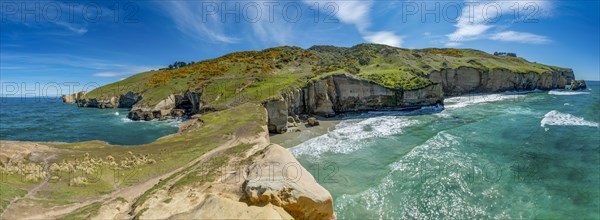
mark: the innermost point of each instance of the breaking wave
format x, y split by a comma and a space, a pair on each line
563, 92
463, 101
350, 135
558, 118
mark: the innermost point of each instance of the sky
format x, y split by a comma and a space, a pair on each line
79, 46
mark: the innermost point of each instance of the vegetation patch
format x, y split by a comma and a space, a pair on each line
85, 212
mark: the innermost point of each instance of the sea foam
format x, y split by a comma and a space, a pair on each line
563, 92
558, 118
463, 101
350, 135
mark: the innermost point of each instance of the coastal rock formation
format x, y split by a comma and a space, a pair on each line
343, 93
472, 80
216, 207
277, 178
129, 99
578, 84
174, 106
73, 97
193, 123
278, 114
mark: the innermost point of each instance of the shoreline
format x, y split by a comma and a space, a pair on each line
303, 133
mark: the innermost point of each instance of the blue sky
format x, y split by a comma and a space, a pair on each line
98, 42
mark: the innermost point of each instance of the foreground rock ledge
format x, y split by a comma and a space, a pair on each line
277, 178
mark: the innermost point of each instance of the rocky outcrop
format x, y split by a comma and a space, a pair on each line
472, 80
129, 99
578, 84
73, 97
343, 93
277, 178
278, 114
174, 106
217, 207
193, 123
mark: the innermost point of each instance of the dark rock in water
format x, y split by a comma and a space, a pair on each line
578, 84
128, 100
312, 121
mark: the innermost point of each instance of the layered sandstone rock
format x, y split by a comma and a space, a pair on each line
343, 93
471, 80
278, 114
277, 178
216, 207
174, 106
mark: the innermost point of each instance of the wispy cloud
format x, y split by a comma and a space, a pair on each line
37, 62
70, 20
479, 17
357, 13
354, 12
189, 20
520, 37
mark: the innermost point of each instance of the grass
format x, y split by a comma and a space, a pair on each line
209, 171
85, 212
8, 192
170, 153
257, 76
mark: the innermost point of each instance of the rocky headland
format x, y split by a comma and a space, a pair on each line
381, 78
215, 166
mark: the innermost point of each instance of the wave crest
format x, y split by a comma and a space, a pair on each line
563, 92
350, 135
558, 118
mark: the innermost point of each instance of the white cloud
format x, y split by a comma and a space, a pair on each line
465, 32
385, 37
354, 12
452, 44
107, 74
272, 31
520, 37
188, 19
478, 17
357, 13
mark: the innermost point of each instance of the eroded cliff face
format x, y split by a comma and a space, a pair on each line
471, 80
336, 94
342, 93
173, 106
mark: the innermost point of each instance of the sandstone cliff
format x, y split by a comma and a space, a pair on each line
343, 93
472, 80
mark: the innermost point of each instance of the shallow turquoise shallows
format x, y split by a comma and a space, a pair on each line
505, 156
48, 119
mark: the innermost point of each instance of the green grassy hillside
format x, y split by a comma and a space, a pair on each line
254, 76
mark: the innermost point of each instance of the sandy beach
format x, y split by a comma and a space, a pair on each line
303, 132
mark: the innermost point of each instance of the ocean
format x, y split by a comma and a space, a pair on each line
48, 119
509, 156
502, 156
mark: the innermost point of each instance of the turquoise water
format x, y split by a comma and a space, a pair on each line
48, 119
503, 156
507, 156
